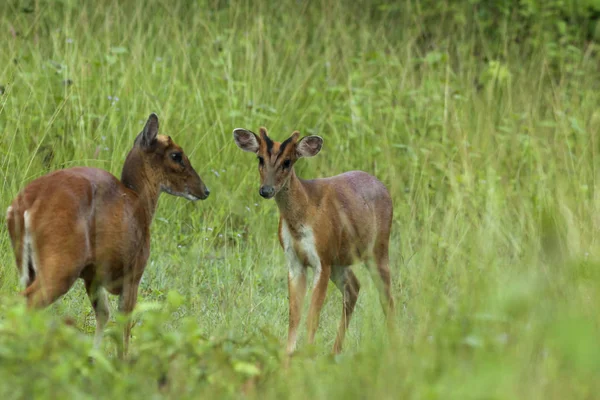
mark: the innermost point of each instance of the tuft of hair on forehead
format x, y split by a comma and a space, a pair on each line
263, 132
164, 140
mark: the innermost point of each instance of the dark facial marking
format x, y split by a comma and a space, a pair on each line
285, 143
269, 144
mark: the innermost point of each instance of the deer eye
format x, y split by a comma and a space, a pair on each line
286, 164
261, 161
177, 157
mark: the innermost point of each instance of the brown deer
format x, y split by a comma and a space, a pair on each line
85, 223
327, 224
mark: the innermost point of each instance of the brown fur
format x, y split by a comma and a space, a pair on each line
87, 224
350, 216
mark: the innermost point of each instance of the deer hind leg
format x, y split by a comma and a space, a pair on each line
348, 284
382, 278
52, 268
321, 280
99, 300
48, 284
53, 278
45, 290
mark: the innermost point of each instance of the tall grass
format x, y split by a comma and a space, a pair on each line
489, 152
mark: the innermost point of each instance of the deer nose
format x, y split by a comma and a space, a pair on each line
206, 192
267, 191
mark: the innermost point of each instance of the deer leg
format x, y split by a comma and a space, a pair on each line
381, 278
348, 284
35, 296
297, 291
50, 272
322, 274
99, 300
45, 290
127, 301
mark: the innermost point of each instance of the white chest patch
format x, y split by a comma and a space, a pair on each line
297, 250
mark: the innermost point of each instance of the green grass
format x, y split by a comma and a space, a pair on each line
490, 153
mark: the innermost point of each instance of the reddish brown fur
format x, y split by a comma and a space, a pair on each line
87, 224
350, 217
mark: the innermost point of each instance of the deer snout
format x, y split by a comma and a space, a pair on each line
206, 193
267, 191
201, 192
198, 189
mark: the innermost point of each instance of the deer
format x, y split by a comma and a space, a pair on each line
84, 223
326, 224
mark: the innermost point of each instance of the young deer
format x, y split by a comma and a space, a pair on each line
85, 223
327, 224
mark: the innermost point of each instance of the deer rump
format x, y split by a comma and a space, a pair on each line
57, 222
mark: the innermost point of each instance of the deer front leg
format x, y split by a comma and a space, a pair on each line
321, 280
127, 301
297, 291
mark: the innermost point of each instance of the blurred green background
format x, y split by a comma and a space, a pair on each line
480, 117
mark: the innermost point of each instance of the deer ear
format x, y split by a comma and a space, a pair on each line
148, 135
309, 146
246, 140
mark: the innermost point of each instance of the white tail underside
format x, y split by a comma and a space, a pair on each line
28, 250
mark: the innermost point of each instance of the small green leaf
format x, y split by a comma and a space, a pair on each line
174, 299
433, 57
246, 368
118, 50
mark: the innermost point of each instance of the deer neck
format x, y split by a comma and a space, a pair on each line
293, 202
142, 182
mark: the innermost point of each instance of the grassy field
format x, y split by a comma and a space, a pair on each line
489, 150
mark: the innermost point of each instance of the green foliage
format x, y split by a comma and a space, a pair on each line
42, 356
480, 117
